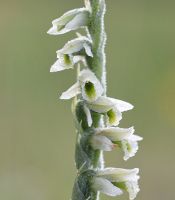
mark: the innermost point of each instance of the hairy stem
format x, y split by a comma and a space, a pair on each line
98, 36
87, 159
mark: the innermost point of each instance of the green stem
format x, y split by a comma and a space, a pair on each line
87, 159
98, 36
98, 62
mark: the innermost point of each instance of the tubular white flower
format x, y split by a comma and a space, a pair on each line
88, 85
123, 179
68, 55
106, 187
113, 108
71, 20
121, 137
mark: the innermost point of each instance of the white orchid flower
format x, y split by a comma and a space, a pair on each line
106, 187
71, 20
112, 108
68, 56
66, 62
88, 85
107, 139
113, 181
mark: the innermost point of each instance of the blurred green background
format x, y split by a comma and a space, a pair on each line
37, 134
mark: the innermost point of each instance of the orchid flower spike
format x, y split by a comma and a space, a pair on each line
69, 55
71, 20
111, 108
96, 116
107, 139
88, 85
113, 181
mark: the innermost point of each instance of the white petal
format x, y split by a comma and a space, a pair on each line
66, 17
88, 115
122, 105
52, 30
115, 133
71, 92
58, 66
119, 174
106, 187
101, 105
135, 138
78, 21
71, 20
74, 46
101, 143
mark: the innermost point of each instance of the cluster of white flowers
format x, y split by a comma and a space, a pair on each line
88, 88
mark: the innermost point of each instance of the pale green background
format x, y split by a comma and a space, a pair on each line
37, 134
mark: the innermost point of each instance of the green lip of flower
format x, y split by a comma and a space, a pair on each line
111, 116
67, 59
90, 90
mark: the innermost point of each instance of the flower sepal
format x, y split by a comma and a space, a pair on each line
71, 20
